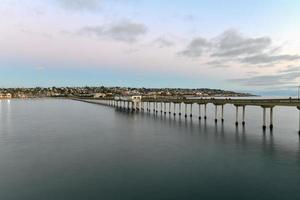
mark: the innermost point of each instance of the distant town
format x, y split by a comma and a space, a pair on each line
98, 92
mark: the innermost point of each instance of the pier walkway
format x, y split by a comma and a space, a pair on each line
145, 104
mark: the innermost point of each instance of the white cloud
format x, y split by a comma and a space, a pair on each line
80, 4
123, 31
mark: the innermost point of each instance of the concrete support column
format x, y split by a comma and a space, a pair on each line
199, 111
179, 109
264, 118
236, 115
191, 110
222, 113
185, 110
169, 108
174, 109
244, 112
205, 116
153, 106
216, 113
165, 109
161, 107
271, 118
299, 119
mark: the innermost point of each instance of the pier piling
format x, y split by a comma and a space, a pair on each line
244, 111
271, 118
216, 113
205, 117
236, 115
222, 113
199, 111
264, 118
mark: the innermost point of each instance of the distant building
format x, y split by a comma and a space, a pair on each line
8, 95
99, 95
5, 96
136, 98
130, 98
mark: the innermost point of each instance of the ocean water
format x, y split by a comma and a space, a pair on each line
63, 149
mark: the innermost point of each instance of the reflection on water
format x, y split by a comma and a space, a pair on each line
61, 149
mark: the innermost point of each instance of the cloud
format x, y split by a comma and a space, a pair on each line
217, 64
265, 58
232, 46
162, 42
232, 43
290, 68
196, 47
281, 79
80, 4
124, 31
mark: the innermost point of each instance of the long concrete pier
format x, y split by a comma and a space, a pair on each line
143, 104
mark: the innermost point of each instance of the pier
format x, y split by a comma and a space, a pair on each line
142, 104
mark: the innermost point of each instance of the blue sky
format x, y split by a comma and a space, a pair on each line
250, 45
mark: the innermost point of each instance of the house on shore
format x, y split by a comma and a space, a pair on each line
5, 96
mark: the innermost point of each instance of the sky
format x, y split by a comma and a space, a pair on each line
249, 45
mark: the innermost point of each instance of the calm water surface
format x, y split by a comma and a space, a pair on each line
63, 149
